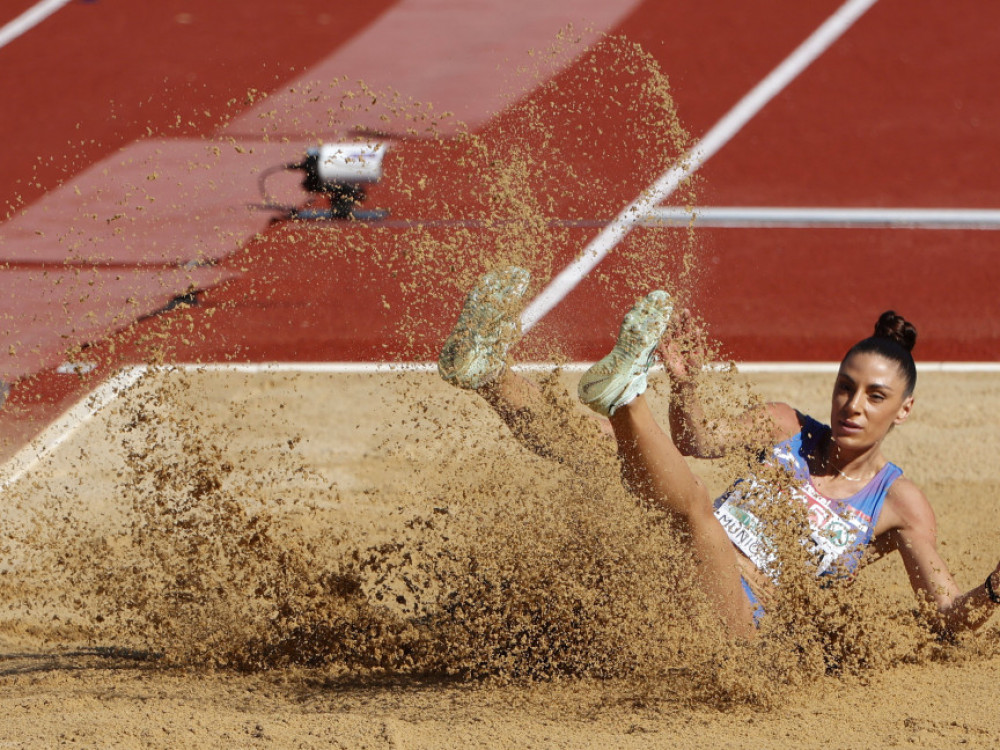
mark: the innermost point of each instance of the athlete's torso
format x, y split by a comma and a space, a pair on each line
839, 529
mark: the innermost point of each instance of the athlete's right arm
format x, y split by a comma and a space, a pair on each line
757, 428
693, 433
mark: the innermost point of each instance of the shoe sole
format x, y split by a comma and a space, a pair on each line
476, 350
608, 380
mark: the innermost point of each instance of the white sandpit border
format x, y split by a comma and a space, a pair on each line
107, 392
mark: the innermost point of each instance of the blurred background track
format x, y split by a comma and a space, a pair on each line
110, 105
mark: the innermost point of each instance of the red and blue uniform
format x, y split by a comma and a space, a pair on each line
840, 529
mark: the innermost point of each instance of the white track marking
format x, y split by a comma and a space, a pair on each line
332, 368
778, 216
29, 19
796, 368
382, 368
720, 134
63, 428
83, 411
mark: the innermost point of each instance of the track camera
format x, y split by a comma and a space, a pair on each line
338, 173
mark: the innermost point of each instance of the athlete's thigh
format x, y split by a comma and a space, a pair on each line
719, 570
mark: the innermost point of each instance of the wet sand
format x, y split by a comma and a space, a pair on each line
347, 456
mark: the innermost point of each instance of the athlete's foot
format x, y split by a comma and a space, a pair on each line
475, 353
621, 376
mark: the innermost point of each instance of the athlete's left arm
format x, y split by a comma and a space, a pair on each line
911, 528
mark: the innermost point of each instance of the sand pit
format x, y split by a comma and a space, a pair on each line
335, 462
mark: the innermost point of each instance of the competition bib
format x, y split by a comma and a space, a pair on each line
834, 525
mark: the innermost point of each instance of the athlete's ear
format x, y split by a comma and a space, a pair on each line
904, 410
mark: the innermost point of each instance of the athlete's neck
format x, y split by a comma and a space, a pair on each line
852, 466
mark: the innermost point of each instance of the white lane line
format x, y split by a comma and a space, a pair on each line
63, 428
798, 368
383, 368
353, 368
333, 368
29, 19
720, 134
778, 216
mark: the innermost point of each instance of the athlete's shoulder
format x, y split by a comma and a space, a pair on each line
905, 490
788, 421
909, 506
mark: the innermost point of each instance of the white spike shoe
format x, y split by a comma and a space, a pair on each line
621, 376
475, 353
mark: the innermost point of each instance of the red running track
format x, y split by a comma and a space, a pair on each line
895, 114
771, 294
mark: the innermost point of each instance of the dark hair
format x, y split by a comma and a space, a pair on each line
893, 339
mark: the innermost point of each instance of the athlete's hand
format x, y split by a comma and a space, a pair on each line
684, 347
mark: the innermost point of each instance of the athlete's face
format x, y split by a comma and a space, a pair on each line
869, 397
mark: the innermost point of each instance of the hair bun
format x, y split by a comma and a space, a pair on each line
896, 328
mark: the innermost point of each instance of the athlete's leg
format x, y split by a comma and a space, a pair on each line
652, 466
475, 357
549, 428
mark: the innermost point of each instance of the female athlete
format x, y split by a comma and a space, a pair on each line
855, 498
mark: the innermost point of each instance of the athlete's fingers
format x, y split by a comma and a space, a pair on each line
684, 346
